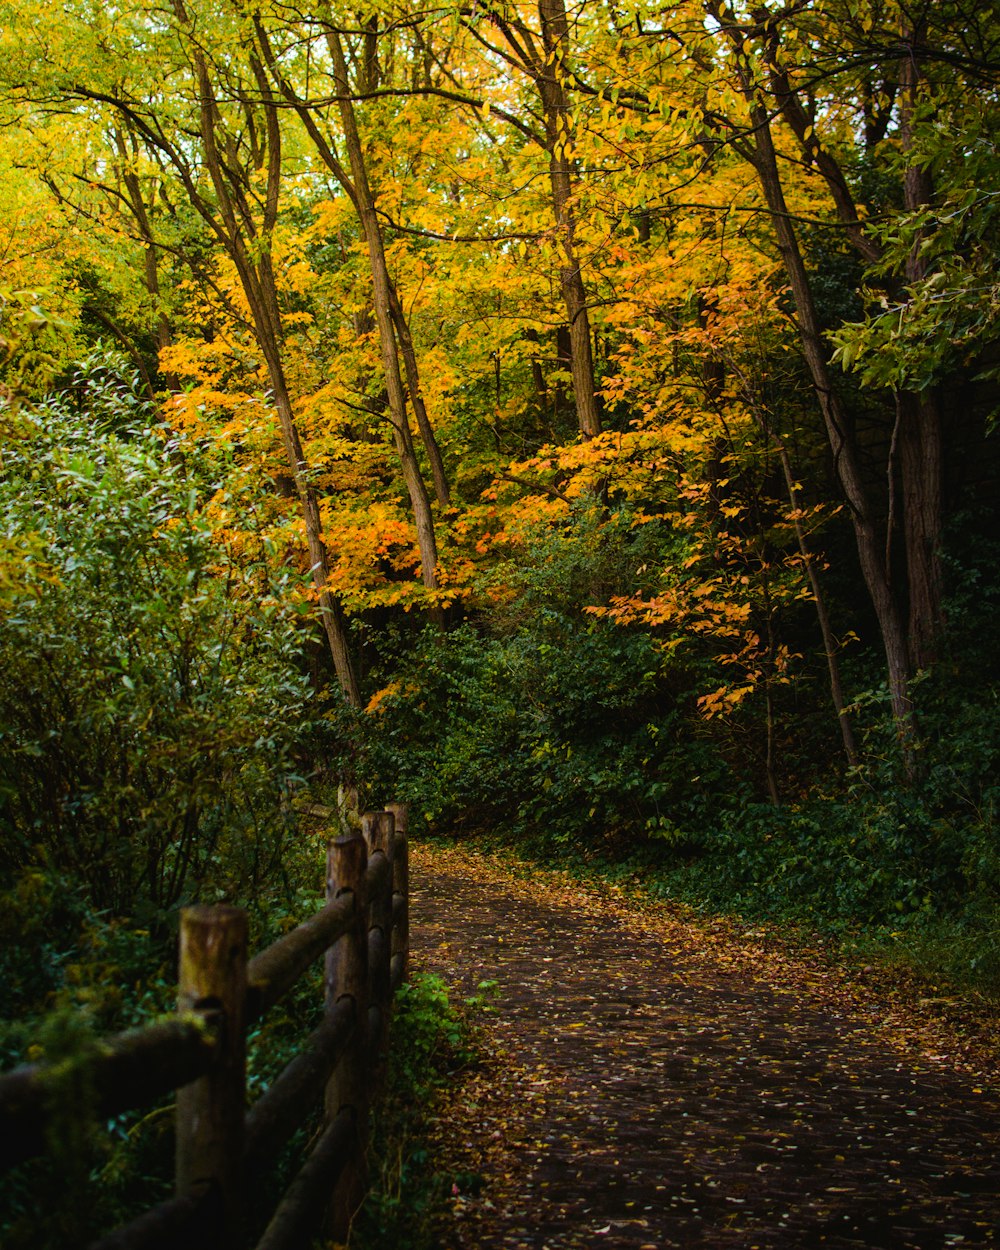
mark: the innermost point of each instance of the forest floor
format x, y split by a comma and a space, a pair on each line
651, 1078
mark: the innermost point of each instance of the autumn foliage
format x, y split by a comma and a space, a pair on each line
609, 390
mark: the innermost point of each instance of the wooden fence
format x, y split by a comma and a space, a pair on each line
200, 1052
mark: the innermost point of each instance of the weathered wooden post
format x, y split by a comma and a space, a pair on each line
400, 894
210, 1111
347, 977
378, 829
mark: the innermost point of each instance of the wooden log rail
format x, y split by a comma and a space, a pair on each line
200, 1052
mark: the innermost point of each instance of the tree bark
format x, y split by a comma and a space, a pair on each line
920, 443
843, 446
365, 205
140, 213
555, 106
918, 415
427, 436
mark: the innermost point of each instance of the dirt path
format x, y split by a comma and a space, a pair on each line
661, 1081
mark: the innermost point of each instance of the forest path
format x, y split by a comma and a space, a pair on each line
660, 1080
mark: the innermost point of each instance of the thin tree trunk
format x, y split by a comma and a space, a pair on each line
138, 209
537, 376
714, 377
243, 235
257, 281
128, 344
918, 415
921, 451
769, 756
375, 405
381, 284
829, 641
564, 362
334, 623
402, 327
555, 105
358, 191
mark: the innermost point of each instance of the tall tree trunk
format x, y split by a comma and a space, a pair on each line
427, 436
918, 415
555, 106
140, 213
334, 624
830, 647
252, 259
920, 451
243, 228
843, 446
770, 751
365, 204
358, 191
715, 379
920, 442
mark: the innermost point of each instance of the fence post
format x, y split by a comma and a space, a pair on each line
400, 891
210, 1111
377, 828
347, 976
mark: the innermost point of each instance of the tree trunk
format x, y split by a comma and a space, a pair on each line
375, 405
365, 205
334, 623
829, 641
920, 442
537, 376
846, 459
438, 476
140, 213
257, 281
555, 39
770, 768
920, 479
918, 416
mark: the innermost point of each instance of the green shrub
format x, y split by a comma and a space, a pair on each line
431, 1040
155, 720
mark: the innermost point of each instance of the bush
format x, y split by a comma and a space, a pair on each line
431, 1040
155, 720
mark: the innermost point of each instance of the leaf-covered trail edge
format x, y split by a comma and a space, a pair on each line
653, 1078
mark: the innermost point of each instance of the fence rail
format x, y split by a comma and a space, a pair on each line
363, 934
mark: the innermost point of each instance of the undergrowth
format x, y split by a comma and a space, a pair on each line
100, 1174
959, 949
432, 1039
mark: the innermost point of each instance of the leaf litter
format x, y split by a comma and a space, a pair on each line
651, 1078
